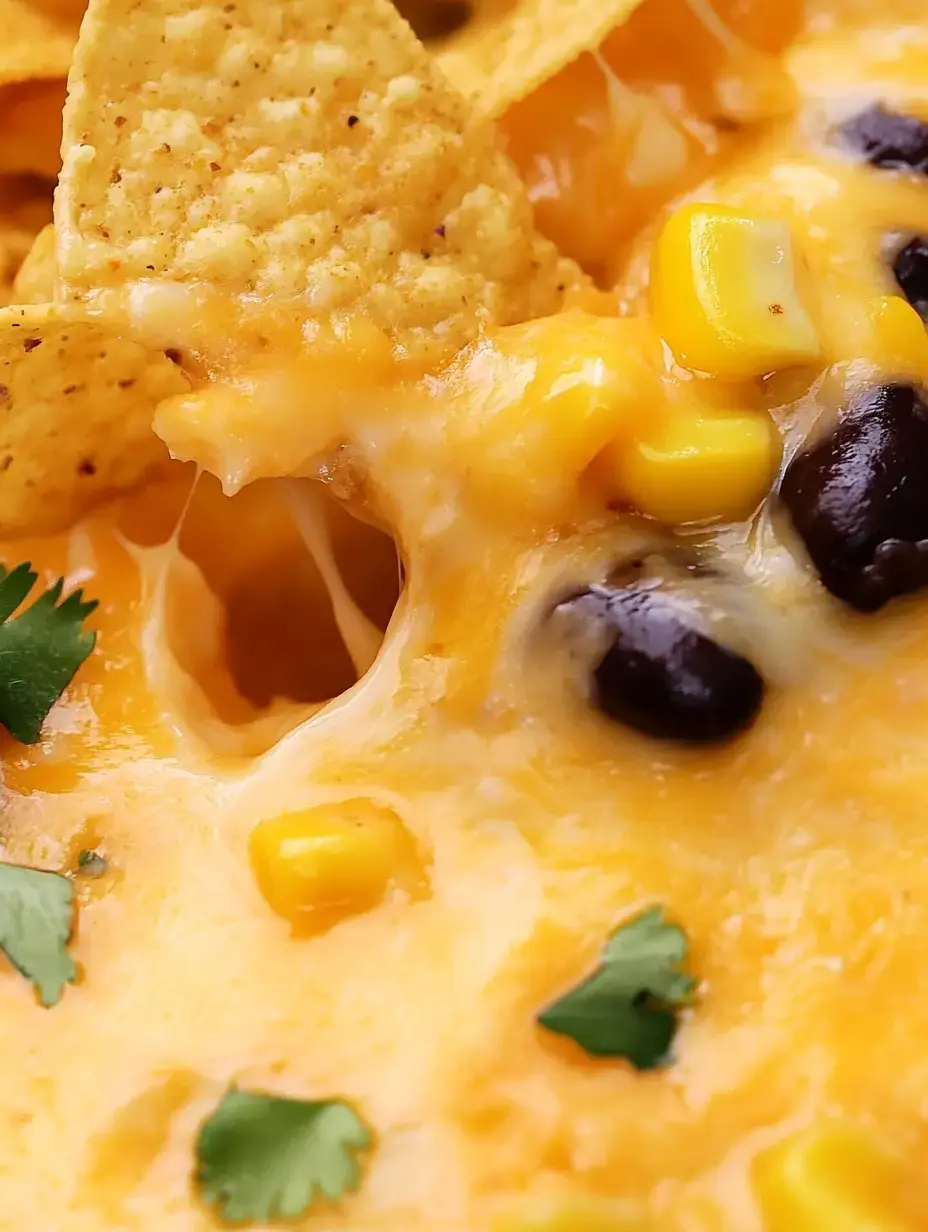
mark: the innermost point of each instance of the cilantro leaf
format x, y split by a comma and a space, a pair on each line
40, 650
91, 863
36, 921
627, 1007
262, 1157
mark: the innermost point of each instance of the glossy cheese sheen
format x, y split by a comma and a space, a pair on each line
795, 857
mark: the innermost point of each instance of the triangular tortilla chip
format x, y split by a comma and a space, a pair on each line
75, 416
498, 59
302, 156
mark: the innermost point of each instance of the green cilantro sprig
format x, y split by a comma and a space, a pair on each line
263, 1157
627, 1007
36, 921
40, 650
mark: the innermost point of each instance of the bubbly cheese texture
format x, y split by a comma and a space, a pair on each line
526, 826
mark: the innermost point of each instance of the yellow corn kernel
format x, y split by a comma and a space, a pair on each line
569, 1213
532, 408
320, 865
725, 296
885, 331
900, 337
698, 465
833, 1178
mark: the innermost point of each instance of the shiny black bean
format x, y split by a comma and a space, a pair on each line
888, 139
660, 673
858, 498
911, 269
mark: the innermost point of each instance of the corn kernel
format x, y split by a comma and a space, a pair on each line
901, 340
698, 465
724, 294
570, 1213
885, 331
833, 1178
532, 409
325, 863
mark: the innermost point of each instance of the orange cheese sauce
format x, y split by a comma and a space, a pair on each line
795, 857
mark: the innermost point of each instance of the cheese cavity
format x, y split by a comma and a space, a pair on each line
360, 635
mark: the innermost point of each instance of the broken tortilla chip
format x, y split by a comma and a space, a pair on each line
300, 157
499, 58
75, 416
35, 280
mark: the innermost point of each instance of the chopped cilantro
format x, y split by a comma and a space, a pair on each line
91, 864
262, 1157
40, 650
36, 919
627, 1007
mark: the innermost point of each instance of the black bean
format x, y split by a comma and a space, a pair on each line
660, 673
858, 498
911, 269
888, 139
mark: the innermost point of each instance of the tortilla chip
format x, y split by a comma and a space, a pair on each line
298, 152
75, 416
35, 280
36, 44
30, 127
500, 58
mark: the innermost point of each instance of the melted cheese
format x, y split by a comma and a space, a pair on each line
361, 637
795, 857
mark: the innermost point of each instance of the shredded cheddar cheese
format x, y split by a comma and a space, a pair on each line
495, 801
